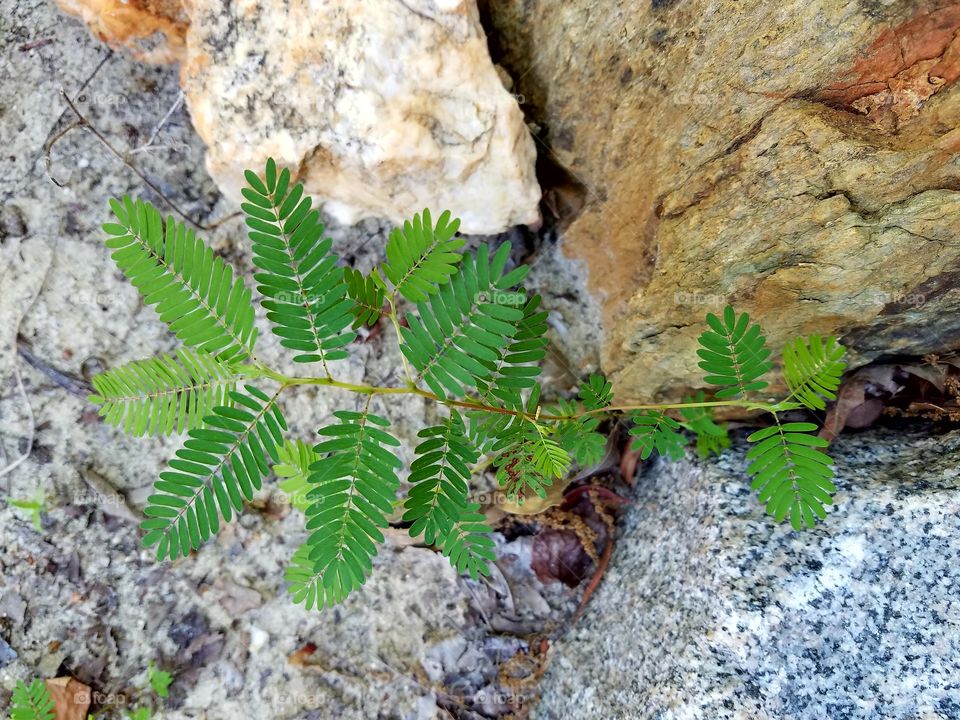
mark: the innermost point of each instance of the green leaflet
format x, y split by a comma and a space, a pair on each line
439, 477
791, 475
166, 394
812, 369
579, 436
219, 466
354, 485
516, 370
296, 457
421, 256
194, 291
367, 297
518, 364
456, 339
595, 392
305, 292
437, 503
652, 430
31, 702
468, 545
734, 354
711, 438
526, 457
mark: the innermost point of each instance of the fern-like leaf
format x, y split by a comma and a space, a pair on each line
353, 488
31, 702
813, 368
734, 354
367, 297
653, 430
518, 364
304, 289
296, 457
793, 477
218, 467
166, 394
527, 458
596, 392
711, 437
456, 339
468, 545
578, 436
439, 479
437, 503
422, 256
194, 291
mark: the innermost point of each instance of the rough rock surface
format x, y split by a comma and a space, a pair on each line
80, 597
798, 160
381, 108
710, 610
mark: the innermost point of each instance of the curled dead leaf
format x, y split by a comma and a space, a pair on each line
71, 698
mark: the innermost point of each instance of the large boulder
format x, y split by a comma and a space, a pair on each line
797, 159
381, 108
710, 610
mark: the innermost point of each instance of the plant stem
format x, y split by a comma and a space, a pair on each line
396, 326
287, 381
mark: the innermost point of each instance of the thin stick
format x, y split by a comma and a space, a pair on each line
26, 401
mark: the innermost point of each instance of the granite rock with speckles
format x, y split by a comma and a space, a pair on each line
710, 610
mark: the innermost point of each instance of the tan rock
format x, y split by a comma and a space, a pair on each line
152, 30
381, 108
725, 155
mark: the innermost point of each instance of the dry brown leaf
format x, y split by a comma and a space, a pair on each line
536, 504
71, 698
936, 375
853, 408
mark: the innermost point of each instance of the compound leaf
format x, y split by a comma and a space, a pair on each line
734, 354
437, 503
166, 394
31, 702
791, 475
219, 466
353, 485
422, 256
457, 338
367, 297
296, 457
527, 458
813, 368
653, 430
194, 290
305, 292
711, 437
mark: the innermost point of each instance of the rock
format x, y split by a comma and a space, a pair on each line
381, 108
797, 160
153, 30
7, 654
710, 610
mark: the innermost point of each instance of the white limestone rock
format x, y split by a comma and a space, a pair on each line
382, 107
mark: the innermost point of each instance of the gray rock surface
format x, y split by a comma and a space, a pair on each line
709, 610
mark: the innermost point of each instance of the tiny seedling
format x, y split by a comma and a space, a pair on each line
33, 508
471, 341
159, 680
